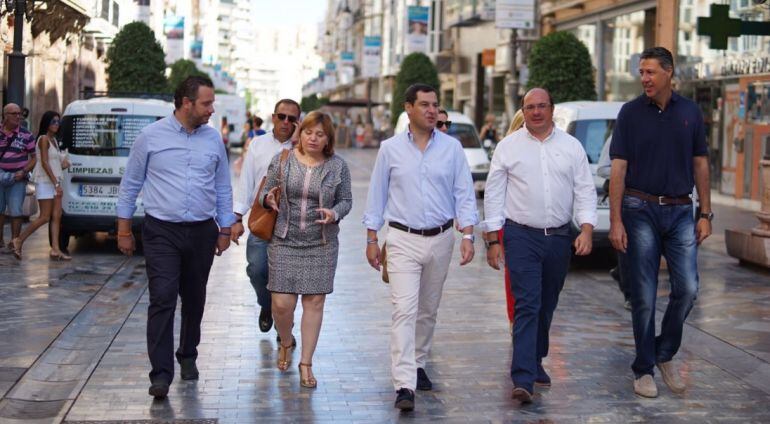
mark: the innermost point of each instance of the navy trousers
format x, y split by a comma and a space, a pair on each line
537, 264
178, 258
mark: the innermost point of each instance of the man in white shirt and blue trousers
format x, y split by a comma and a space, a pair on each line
262, 150
539, 174
421, 181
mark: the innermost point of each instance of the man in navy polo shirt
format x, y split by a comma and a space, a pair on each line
658, 153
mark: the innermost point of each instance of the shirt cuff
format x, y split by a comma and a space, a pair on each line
241, 208
490, 225
226, 221
125, 213
370, 224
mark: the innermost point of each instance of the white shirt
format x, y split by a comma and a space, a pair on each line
539, 183
261, 150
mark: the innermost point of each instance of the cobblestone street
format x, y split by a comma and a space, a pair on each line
73, 343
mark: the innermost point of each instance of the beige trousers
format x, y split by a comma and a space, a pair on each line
417, 267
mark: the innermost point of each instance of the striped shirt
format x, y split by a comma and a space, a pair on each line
18, 154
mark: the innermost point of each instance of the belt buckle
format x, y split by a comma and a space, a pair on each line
545, 231
661, 202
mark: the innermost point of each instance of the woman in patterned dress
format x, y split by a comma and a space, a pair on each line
302, 256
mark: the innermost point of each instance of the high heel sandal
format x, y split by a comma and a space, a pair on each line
59, 257
310, 382
284, 356
15, 250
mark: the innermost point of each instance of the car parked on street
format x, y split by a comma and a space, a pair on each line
98, 134
592, 123
462, 128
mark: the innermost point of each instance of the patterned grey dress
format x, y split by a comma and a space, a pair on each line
302, 255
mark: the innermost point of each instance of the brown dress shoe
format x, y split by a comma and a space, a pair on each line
522, 395
671, 377
645, 386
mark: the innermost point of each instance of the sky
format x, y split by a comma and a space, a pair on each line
293, 12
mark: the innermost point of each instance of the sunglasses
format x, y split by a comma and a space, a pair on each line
283, 117
55, 122
440, 124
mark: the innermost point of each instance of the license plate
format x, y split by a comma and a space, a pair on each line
98, 190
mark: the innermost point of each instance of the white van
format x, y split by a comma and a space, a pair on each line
592, 123
462, 129
98, 134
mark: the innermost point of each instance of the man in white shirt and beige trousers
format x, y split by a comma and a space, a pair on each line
539, 174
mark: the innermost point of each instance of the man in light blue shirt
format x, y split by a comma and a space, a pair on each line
420, 183
181, 165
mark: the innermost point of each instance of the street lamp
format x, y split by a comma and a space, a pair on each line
16, 58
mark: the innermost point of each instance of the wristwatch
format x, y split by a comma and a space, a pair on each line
471, 237
707, 215
492, 243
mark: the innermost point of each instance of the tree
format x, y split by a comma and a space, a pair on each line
560, 63
311, 103
416, 68
180, 70
135, 61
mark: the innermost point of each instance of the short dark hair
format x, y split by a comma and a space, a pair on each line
258, 121
288, 102
410, 95
189, 88
664, 57
443, 111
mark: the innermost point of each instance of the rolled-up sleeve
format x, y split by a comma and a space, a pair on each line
584, 189
377, 198
464, 194
495, 191
224, 189
133, 178
247, 184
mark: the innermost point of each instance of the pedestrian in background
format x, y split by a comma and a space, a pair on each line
538, 176
443, 123
180, 165
659, 153
603, 170
261, 151
315, 194
17, 160
47, 176
488, 130
421, 181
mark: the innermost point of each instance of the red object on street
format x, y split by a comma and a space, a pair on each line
509, 300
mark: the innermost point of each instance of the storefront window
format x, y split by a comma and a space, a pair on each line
625, 35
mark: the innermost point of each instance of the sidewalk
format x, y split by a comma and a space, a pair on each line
725, 357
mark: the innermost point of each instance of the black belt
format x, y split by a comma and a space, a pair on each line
563, 230
660, 200
429, 232
181, 224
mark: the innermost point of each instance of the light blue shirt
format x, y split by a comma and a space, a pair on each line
184, 177
418, 189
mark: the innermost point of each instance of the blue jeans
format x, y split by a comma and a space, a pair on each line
654, 230
537, 265
256, 256
13, 197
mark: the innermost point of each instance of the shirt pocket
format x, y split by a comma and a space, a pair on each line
204, 164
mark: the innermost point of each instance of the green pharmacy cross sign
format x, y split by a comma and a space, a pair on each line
719, 26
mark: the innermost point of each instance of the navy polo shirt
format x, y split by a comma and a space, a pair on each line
659, 145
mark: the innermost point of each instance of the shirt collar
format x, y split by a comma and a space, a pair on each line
14, 131
674, 98
282, 143
178, 125
409, 134
548, 137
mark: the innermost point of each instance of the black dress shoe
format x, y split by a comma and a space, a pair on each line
159, 389
189, 370
542, 379
265, 320
423, 382
405, 399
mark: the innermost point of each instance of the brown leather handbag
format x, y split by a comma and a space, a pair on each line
261, 219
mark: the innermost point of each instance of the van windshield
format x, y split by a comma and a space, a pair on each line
466, 134
102, 135
592, 133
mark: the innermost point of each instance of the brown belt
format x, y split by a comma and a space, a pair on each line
660, 200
